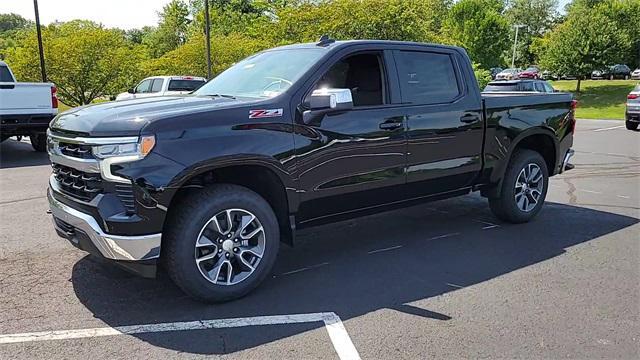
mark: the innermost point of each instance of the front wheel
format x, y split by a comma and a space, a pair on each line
631, 125
524, 188
221, 242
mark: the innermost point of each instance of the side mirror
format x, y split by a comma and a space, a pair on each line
325, 101
131, 91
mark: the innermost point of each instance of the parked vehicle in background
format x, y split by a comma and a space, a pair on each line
163, 85
548, 75
613, 72
532, 72
495, 71
211, 183
26, 108
635, 75
632, 112
508, 74
537, 86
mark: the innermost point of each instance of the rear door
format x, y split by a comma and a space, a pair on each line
444, 120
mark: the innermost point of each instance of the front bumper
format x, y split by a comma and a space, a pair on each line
83, 231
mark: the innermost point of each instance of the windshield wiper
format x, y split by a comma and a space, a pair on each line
221, 95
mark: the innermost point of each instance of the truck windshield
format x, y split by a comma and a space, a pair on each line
263, 75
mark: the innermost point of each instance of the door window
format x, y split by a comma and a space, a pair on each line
5, 75
362, 74
157, 85
540, 87
426, 78
548, 88
144, 86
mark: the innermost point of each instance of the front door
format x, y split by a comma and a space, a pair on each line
353, 160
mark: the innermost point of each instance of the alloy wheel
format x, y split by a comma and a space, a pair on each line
230, 246
529, 187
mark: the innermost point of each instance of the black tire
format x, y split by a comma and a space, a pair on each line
38, 142
184, 226
631, 125
505, 207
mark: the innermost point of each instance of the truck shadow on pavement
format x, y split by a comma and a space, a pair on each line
444, 246
15, 154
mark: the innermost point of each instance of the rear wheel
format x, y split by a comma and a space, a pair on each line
631, 125
221, 243
38, 142
524, 188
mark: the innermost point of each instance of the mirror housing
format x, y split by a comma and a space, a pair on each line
131, 91
325, 101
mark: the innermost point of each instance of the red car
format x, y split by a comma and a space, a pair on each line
532, 72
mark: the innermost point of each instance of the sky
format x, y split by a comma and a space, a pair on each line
124, 14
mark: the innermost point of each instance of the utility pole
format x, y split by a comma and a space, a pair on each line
42, 69
515, 43
207, 35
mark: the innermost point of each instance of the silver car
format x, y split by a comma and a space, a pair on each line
632, 114
508, 74
635, 75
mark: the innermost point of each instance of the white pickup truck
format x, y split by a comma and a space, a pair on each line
26, 108
163, 85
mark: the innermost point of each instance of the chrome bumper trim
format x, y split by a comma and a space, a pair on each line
115, 247
565, 162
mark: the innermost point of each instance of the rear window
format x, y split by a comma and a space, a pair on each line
5, 75
426, 78
501, 87
185, 85
157, 85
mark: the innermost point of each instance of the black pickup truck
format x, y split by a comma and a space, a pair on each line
209, 184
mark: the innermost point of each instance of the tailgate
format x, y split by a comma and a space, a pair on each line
26, 98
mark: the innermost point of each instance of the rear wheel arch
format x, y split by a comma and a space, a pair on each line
253, 175
540, 140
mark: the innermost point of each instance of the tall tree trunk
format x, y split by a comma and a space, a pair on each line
578, 85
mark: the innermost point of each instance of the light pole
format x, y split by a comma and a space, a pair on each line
44, 73
207, 35
515, 43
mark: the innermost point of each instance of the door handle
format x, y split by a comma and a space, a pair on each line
467, 119
390, 125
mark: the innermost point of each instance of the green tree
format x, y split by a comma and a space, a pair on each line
189, 59
539, 16
11, 28
587, 40
172, 29
360, 19
83, 59
479, 27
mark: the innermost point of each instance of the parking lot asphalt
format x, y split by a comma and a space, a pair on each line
439, 280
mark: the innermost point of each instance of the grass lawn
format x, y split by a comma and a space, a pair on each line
599, 99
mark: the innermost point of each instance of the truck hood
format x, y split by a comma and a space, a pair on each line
127, 118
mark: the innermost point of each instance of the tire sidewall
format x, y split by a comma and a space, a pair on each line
522, 159
183, 241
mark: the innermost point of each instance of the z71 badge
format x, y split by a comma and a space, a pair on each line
265, 113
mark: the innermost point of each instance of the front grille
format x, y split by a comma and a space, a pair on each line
125, 194
78, 184
81, 151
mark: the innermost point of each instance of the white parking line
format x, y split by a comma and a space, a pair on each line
623, 196
590, 191
337, 333
443, 236
385, 249
304, 269
489, 225
610, 128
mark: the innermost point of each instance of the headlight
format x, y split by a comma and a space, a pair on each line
139, 149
